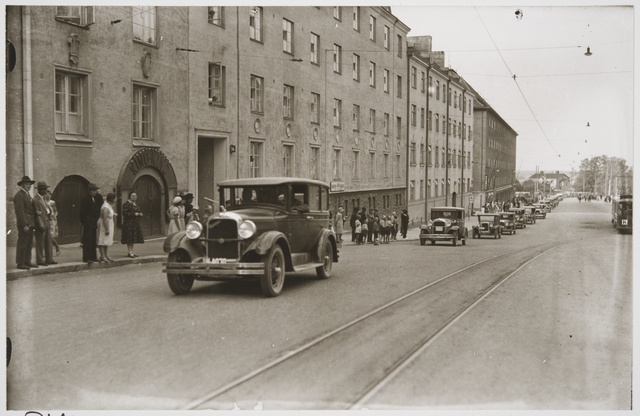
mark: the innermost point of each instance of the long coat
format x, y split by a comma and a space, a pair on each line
24, 209
90, 211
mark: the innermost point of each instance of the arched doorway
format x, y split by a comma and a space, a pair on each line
68, 195
150, 203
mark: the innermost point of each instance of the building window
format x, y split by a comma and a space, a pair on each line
399, 89
257, 98
287, 160
355, 169
288, 102
430, 120
337, 163
356, 117
444, 93
337, 112
216, 15
255, 159
468, 159
356, 67
255, 23
414, 110
430, 156
436, 187
430, 86
372, 28
144, 24
414, 77
386, 122
337, 13
399, 46
437, 122
398, 128
412, 153
386, 37
71, 108
76, 15
337, 58
422, 154
314, 165
423, 81
372, 165
315, 108
385, 81
437, 157
356, 18
444, 125
455, 99
398, 167
412, 190
315, 43
372, 120
386, 165
143, 112
437, 90
372, 74
287, 36
469, 136
421, 117
217, 75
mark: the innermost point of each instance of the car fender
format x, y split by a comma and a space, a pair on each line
180, 240
262, 245
326, 234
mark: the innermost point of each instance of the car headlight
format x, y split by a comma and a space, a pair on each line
430, 223
447, 223
246, 229
194, 230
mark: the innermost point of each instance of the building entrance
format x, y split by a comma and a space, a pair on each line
68, 195
150, 203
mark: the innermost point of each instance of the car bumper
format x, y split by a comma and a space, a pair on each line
228, 270
437, 237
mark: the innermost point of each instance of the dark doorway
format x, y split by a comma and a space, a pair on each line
67, 195
206, 171
150, 203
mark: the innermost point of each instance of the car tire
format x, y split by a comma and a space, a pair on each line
454, 240
272, 281
324, 271
495, 234
423, 241
178, 283
433, 242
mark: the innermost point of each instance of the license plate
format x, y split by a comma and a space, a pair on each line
625, 222
217, 260
439, 228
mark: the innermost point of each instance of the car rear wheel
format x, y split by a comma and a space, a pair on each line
324, 271
433, 242
272, 280
178, 283
423, 241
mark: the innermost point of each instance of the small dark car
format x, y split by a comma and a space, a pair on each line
508, 222
519, 217
542, 210
529, 214
488, 224
268, 226
446, 224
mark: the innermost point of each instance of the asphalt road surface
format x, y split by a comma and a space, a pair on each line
538, 320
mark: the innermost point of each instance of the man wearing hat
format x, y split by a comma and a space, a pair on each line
188, 206
25, 217
44, 255
89, 213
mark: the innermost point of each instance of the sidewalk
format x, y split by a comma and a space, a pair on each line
70, 258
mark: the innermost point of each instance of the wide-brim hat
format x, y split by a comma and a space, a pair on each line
189, 195
176, 200
93, 187
42, 185
26, 179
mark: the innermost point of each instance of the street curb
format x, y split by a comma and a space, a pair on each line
74, 267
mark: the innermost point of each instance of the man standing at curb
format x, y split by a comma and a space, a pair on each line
89, 213
44, 255
25, 216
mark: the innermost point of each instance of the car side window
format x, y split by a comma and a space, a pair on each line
315, 200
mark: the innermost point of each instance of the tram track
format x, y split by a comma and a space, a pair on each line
391, 370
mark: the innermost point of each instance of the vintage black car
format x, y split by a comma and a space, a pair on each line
508, 222
519, 214
446, 224
622, 213
529, 214
488, 224
542, 210
267, 226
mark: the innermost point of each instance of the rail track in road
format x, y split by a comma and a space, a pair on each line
432, 315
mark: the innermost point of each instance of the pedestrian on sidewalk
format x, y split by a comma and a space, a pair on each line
339, 224
106, 227
131, 228
90, 207
53, 217
352, 223
394, 226
26, 222
404, 223
357, 229
176, 221
44, 256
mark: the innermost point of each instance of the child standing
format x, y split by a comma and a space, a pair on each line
358, 230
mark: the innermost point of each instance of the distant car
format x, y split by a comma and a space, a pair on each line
267, 227
446, 224
508, 222
488, 224
541, 210
519, 217
529, 214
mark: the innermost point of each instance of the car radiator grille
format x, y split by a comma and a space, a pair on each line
222, 236
442, 230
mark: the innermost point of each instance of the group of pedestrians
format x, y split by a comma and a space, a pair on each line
182, 212
374, 228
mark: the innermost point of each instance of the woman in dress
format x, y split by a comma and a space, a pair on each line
131, 229
339, 224
106, 227
176, 216
53, 219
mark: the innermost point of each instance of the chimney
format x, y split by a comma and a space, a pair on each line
423, 45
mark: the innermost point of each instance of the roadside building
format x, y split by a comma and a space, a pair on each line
551, 182
494, 150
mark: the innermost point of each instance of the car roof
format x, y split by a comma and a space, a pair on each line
447, 209
493, 214
274, 180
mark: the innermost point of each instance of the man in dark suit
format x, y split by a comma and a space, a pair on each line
25, 216
89, 214
44, 252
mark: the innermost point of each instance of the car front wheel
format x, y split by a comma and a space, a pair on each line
272, 280
455, 240
324, 271
178, 283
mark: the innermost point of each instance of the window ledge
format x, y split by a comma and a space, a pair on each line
73, 140
145, 143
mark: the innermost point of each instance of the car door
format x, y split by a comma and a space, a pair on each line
298, 218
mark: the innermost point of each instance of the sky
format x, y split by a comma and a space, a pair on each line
557, 89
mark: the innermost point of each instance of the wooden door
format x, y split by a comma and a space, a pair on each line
68, 195
150, 203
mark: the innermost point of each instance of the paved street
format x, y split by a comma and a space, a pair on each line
538, 320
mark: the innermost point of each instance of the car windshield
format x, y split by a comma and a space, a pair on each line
506, 216
242, 196
485, 218
452, 215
